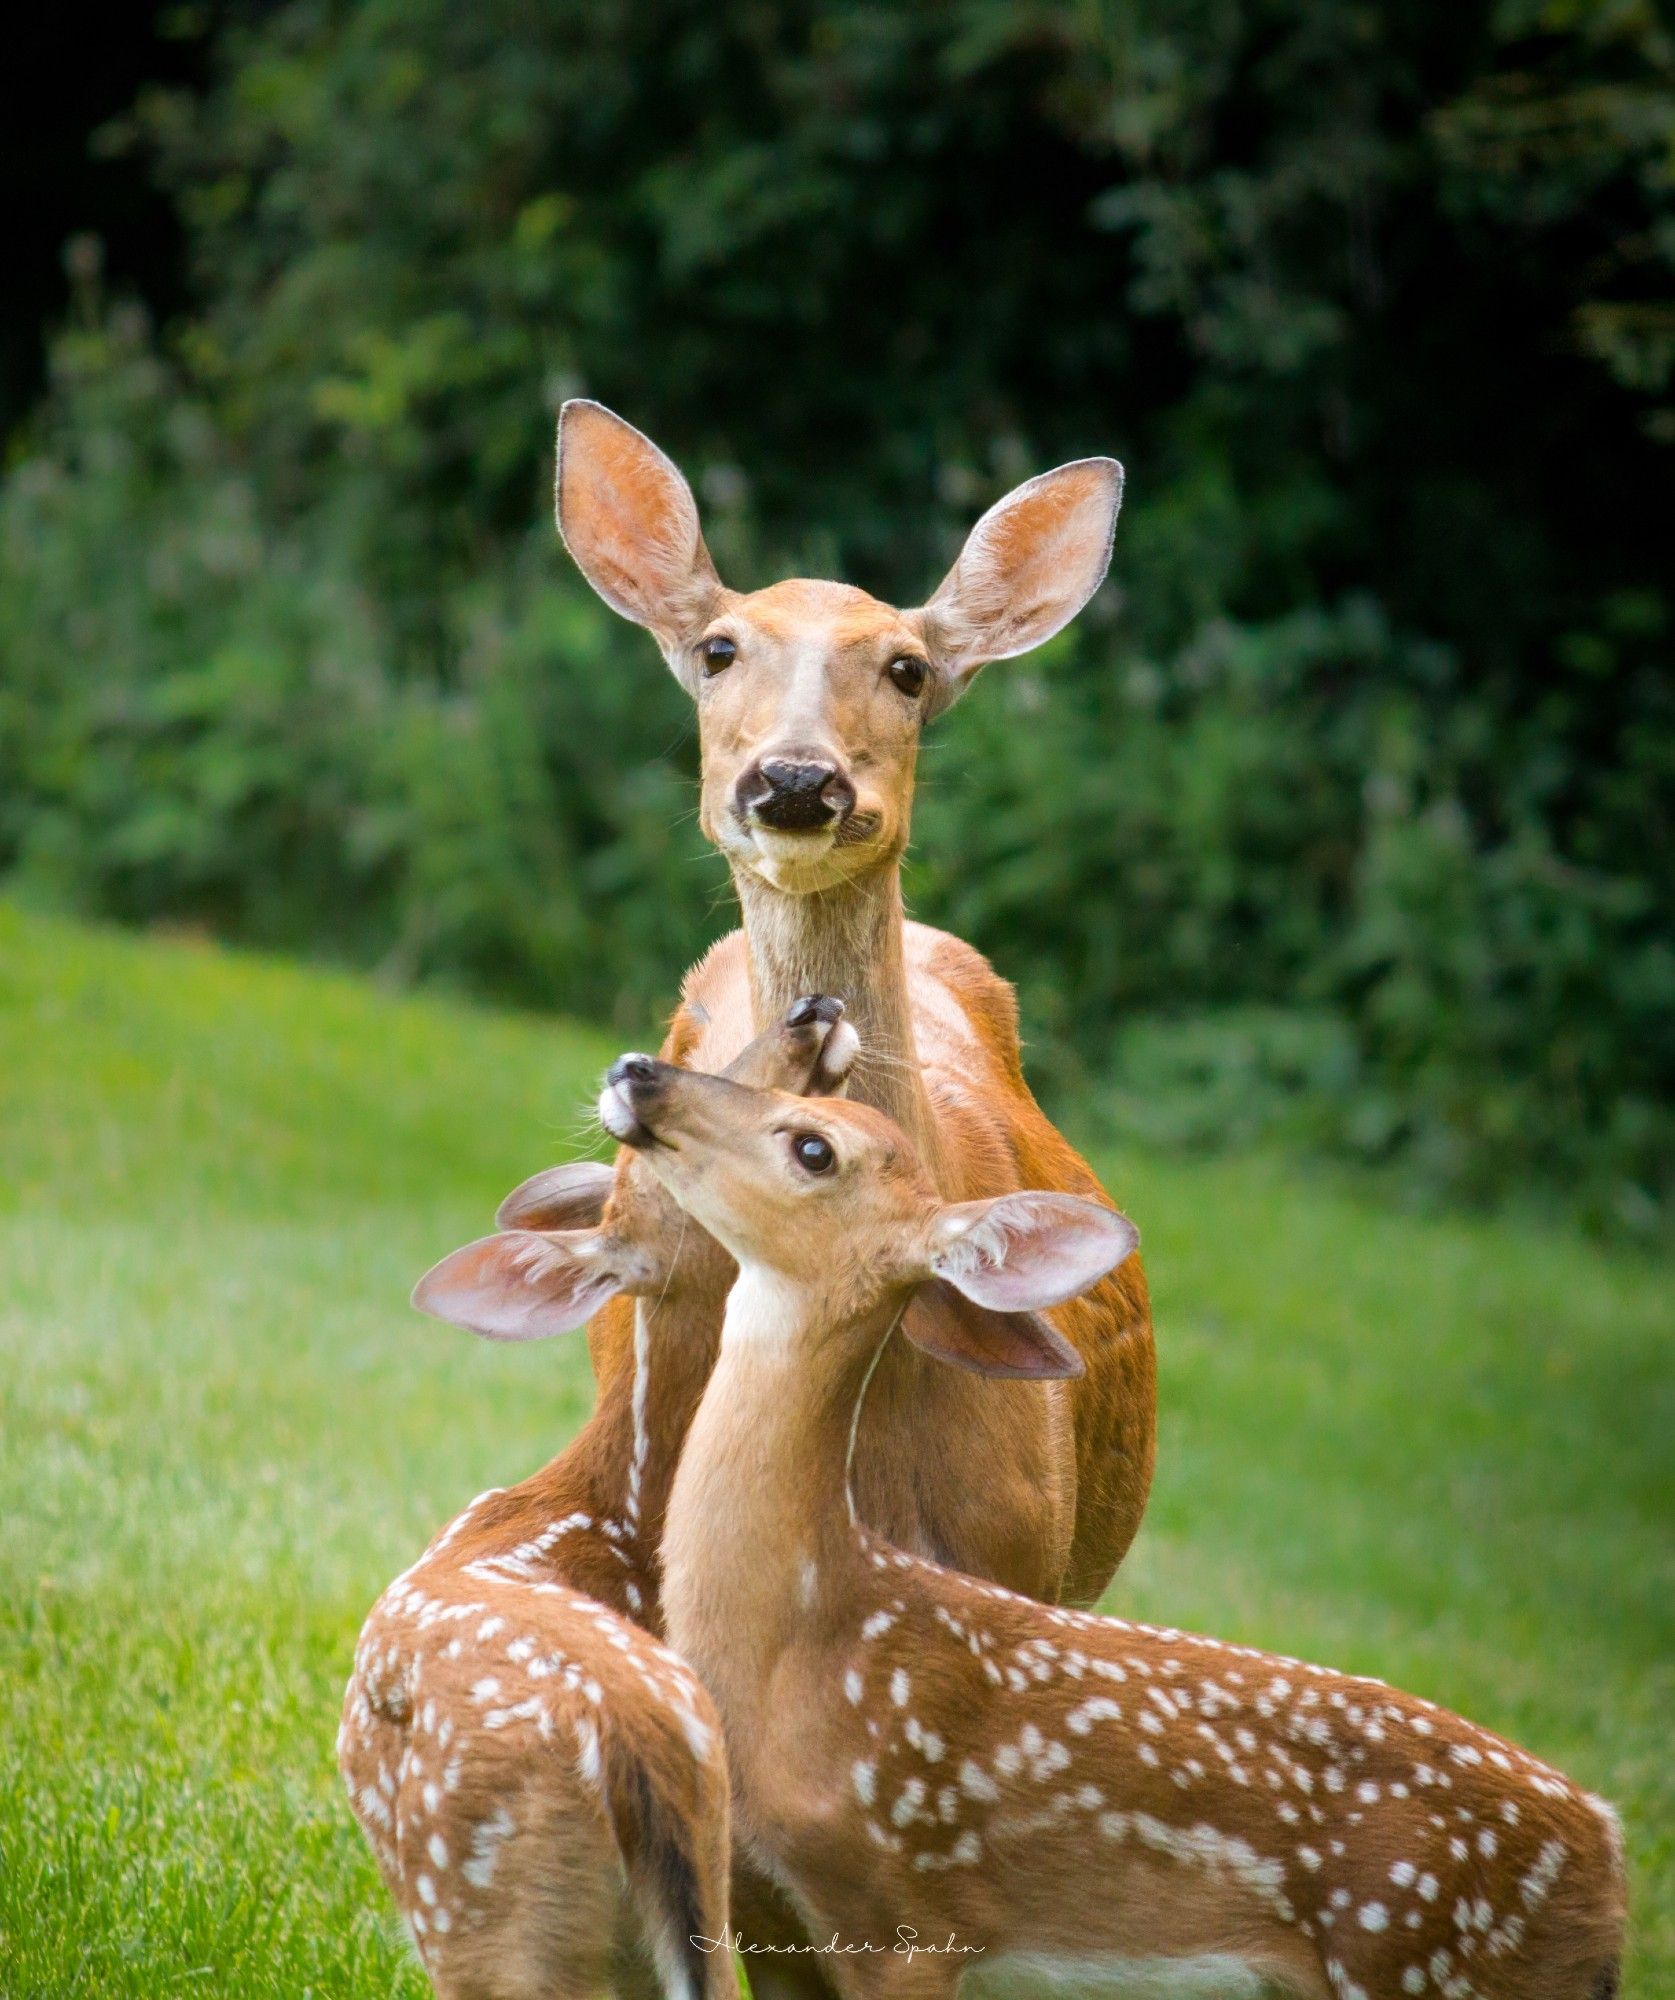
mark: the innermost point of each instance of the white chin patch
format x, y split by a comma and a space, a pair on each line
843, 1045
616, 1114
788, 857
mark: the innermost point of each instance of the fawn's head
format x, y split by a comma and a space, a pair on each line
811, 696
827, 1198
576, 1235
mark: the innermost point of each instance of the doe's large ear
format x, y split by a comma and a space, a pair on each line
1025, 1252
1027, 568
944, 1322
629, 519
523, 1286
569, 1197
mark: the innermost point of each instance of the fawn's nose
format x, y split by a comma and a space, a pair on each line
631, 1094
794, 794
812, 1007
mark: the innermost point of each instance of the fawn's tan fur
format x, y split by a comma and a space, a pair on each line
1065, 1795
542, 1782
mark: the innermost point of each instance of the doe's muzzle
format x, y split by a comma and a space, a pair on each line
794, 794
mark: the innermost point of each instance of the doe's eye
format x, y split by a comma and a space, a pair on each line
908, 673
717, 653
814, 1155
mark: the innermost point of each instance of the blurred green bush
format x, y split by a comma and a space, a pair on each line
1346, 812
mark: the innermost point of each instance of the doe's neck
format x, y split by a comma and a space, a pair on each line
847, 941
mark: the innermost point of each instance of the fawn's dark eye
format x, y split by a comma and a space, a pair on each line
717, 653
908, 673
813, 1154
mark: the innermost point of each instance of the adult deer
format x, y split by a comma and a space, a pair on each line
543, 1783
1037, 1796
811, 698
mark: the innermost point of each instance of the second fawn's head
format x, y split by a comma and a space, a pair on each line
575, 1236
811, 696
826, 1198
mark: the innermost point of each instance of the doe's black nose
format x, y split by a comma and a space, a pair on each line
632, 1069
792, 793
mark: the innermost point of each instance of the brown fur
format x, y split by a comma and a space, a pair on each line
1065, 1468
1068, 1469
915, 1746
524, 1627
543, 1785
1067, 1465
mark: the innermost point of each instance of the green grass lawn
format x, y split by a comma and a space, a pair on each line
1441, 1451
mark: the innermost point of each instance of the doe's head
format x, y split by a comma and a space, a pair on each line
575, 1236
811, 696
828, 1197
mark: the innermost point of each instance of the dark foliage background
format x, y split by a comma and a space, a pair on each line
1347, 810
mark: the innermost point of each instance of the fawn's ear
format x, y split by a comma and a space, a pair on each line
569, 1197
1020, 1253
629, 519
1027, 568
944, 1322
523, 1286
